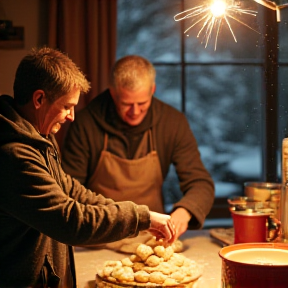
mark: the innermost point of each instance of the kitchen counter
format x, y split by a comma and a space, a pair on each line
199, 246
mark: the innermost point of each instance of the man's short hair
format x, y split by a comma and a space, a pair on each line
131, 72
49, 70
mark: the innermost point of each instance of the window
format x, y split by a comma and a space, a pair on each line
222, 92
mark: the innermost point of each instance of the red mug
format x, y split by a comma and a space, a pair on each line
252, 227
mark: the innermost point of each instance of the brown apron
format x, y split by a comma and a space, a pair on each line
139, 180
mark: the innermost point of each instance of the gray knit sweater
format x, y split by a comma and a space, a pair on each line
43, 211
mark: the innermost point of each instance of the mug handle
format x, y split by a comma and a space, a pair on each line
274, 230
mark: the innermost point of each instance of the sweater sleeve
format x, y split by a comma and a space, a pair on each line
178, 146
68, 213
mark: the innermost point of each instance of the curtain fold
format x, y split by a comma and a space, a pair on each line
86, 30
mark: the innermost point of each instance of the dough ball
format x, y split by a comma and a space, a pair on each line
177, 260
165, 268
107, 271
144, 251
191, 270
153, 242
123, 274
149, 269
178, 246
170, 282
100, 273
142, 276
113, 263
159, 251
138, 266
153, 261
135, 258
168, 253
157, 277
117, 272
127, 262
178, 276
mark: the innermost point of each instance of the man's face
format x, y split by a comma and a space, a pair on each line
50, 116
132, 106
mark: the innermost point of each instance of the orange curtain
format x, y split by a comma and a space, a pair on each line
86, 30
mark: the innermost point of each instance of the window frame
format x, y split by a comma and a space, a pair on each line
269, 63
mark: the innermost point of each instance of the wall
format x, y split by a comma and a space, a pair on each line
33, 16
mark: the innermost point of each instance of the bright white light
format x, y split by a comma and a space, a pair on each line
218, 8
211, 17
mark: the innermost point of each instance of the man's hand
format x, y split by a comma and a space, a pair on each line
162, 228
180, 218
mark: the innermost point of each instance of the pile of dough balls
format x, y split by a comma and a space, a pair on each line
151, 265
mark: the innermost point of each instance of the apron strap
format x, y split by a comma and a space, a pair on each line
105, 141
152, 132
150, 141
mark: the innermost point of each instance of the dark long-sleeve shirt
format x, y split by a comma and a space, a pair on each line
175, 144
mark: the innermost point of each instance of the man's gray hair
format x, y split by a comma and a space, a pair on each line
132, 72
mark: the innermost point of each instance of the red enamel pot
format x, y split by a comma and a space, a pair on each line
253, 265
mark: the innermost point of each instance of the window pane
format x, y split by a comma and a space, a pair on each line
147, 28
283, 36
168, 85
283, 103
224, 110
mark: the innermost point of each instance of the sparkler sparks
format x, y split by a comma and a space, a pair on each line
212, 16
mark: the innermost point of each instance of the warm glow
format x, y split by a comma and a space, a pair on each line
218, 8
210, 18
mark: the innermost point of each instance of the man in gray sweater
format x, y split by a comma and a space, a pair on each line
44, 211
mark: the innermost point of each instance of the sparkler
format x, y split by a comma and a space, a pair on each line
212, 16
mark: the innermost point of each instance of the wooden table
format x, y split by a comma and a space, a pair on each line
199, 246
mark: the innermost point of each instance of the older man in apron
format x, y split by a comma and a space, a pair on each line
122, 143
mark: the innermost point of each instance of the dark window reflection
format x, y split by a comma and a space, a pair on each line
223, 106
